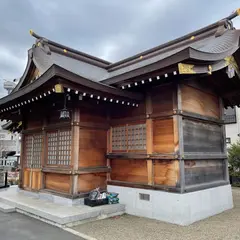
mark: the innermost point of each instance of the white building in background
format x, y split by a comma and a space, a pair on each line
232, 121
8, 141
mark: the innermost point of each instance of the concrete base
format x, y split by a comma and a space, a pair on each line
53, 198
6, 208
56, 213
181, 209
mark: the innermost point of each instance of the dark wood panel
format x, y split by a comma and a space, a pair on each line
203, 171
92, 157
201, 137
162, 99
88, 182
93, 148
57, 182
166, 172
163, 136
93, 138
129, 171
96, 115
197, 101
121, 112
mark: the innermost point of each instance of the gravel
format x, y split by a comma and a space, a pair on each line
222, 226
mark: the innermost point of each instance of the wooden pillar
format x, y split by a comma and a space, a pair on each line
149, 140
179, 120
21, 171
224, 145
75, 149
44, 153
109, 150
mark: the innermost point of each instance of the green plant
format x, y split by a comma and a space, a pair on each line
234, 159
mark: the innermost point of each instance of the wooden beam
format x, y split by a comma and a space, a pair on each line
144, 186
203, 186
142, 156
75, 149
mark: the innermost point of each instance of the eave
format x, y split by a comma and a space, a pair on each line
55, 75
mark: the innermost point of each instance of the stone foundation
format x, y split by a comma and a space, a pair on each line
181, 209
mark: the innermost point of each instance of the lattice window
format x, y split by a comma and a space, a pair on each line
119, 140
33, 150
59, 147
136, 137
129, 138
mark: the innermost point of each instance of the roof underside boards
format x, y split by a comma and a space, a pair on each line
61, 74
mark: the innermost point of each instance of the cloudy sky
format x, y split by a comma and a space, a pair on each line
109, 29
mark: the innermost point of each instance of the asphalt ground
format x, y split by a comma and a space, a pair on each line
15, 226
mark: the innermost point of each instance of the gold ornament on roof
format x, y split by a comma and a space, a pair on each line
65, 50
31, 32
209, 69
58, 88
231, 63
186, 68
192, 37
238, 11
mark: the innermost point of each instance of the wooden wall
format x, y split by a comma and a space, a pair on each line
202, 137
198, 101
166, 172
57, 182
203, 171
150, 168
128, 170
88, 182
92, 148
163, 138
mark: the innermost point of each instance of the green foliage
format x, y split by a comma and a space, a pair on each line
234, 159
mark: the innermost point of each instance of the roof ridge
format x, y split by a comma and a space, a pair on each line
68, 49
177, 40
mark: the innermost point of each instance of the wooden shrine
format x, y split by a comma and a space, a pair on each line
153, 121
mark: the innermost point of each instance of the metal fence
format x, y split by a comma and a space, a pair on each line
230, 119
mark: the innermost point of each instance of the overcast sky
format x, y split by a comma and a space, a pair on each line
109, 29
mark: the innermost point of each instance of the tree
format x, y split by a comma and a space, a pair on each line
234, 158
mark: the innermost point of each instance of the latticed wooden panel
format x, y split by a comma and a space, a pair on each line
119, 138
37, 150
28, 150
59, 147
33, 150
136, 135
64, 150
52, 143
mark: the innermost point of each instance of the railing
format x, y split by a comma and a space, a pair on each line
230, 119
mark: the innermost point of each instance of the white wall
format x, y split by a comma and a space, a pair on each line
181, 209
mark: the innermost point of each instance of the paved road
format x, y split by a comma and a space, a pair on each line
15, 226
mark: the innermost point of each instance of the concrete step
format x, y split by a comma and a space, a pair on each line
6, 208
